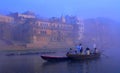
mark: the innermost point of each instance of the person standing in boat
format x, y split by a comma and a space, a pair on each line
79, 48
87, 51
95, 51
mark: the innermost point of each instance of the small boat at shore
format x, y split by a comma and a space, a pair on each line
83, 57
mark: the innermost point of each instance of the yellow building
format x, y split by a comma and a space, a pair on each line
48, 34
6, 19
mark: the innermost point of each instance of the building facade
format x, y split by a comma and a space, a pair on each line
6, 19
25, 29
47, 33
51, 35
5, 27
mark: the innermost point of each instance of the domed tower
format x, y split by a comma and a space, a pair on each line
63, 19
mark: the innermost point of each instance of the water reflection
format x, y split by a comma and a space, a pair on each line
34, 64
20, 64
69, 67
54, 67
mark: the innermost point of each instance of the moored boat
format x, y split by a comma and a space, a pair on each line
83, 57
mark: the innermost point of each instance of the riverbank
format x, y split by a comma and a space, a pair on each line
15, 51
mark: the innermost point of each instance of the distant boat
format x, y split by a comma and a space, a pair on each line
11, 54
83, 57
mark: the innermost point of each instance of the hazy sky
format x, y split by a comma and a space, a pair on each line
49, 8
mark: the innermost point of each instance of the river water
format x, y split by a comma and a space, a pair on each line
108, 63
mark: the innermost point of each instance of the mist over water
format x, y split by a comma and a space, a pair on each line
108, 63
101, 27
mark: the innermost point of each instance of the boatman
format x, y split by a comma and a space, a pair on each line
79, 48
95, 51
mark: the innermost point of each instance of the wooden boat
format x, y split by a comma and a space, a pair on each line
54, 58
83, 57
69, 56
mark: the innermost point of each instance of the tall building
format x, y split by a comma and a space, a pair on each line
78, 25
6, 27
96, 32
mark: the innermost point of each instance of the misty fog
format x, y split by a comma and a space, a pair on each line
100, 19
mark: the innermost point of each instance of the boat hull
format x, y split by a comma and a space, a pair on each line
83, 57
54, 58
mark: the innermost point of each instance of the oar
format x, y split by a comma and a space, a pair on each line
105, 55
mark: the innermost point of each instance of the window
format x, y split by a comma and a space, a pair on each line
43, 32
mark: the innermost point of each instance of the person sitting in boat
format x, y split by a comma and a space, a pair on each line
87, 51
70, 51
79, 48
